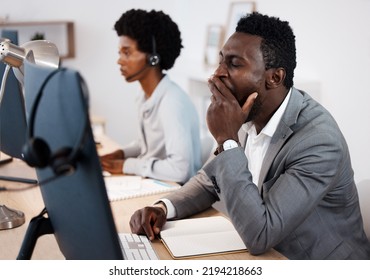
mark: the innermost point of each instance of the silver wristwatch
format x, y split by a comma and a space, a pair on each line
230, 144
227, 145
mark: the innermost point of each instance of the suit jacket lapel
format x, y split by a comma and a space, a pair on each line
282, 133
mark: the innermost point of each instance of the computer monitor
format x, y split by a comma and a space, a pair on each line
13, 124
13, 128
77, 205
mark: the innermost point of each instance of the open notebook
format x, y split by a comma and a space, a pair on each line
125, 187
201, 236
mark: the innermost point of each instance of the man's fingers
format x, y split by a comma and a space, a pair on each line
148, 218
218, 88
249, 103
135, 223
214, 90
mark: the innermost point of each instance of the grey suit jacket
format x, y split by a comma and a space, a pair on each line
308, 205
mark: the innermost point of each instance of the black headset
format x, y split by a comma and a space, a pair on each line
154, 58
36, 152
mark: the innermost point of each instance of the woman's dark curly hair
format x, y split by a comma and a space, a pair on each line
144, 27
278, 42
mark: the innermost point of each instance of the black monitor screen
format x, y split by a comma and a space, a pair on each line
77, 204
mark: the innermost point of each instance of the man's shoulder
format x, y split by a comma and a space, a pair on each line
309, 111
314, 123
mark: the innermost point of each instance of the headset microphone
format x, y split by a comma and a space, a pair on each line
129, 78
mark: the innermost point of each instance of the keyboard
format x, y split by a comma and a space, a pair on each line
136, 247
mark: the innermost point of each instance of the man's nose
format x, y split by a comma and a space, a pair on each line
221, 70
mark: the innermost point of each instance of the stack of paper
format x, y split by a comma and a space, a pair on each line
125, 187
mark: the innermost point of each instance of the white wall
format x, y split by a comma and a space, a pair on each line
333, 53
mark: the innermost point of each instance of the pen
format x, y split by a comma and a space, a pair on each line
162, 183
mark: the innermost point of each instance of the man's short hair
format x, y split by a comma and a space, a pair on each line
278, 42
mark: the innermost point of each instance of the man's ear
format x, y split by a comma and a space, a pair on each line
275, 77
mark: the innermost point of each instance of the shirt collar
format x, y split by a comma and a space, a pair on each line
157, 94
272, 124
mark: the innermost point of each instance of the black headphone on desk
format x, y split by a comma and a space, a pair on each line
37, 153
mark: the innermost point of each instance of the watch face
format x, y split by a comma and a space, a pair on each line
230, 144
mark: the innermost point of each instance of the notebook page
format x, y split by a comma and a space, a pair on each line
125, 187
200, 236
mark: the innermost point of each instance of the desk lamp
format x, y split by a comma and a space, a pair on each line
40, 52
43, 52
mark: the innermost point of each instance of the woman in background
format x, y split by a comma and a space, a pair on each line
168, 147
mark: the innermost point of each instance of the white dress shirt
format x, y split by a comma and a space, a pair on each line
255, 148
257, 144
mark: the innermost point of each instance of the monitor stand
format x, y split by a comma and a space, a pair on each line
38, 226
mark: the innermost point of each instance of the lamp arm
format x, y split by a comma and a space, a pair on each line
3, 82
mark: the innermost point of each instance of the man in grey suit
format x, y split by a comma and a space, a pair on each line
282, 167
